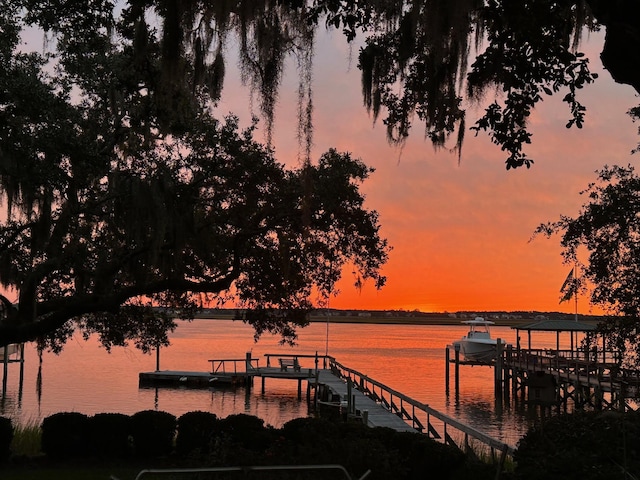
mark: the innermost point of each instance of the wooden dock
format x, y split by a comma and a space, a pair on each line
356, 395
236, 372
553, 377
358, 404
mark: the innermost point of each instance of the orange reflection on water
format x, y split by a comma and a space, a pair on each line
407, 358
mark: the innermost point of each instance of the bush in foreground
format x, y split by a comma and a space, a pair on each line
109, 435
64, 435
153, 433
204, 440
582, 445
196, 432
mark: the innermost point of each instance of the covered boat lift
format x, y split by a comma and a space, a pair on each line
558, 326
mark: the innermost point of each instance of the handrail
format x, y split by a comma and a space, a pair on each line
245, 470
217, 364
326, 359
447, 420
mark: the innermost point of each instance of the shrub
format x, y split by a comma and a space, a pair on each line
247, 431
153, 432
314, 439
585, 445
195, 432
6, 435
109, 434
64, 435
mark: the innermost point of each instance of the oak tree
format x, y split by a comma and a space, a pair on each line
125, 200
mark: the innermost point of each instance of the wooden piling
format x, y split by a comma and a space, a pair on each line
498, 367
446, 370
5, 362
457, 367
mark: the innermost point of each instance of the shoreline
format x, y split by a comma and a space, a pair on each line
395, 320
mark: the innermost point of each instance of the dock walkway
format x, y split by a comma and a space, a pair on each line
377, 415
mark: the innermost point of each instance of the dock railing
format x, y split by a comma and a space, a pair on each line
320, 361
411, 410
230, 365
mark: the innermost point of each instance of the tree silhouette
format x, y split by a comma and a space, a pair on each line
122, 189
123, 194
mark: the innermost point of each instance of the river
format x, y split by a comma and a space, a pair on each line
407, 358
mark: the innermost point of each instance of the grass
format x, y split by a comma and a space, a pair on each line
30, 463
26, 439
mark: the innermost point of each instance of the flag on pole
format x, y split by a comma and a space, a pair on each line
568, 288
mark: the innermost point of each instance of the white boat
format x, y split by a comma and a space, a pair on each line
477, 345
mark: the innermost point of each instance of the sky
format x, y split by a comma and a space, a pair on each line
460, 231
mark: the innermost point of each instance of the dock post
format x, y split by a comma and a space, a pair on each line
21, 364
315, 391
457, 367
498, 367
158, 357
5, 361
446, 369
262, 385
507, 370
299, 389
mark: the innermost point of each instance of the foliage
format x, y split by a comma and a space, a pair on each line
245, 440
415, 64
153, 433
414, 61
6, 436
124, 193
608, 228
582, 445
387, 453
109, 435
246, 432
196, 432
65, 435
538, 35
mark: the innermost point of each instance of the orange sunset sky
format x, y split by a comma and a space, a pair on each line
460, 231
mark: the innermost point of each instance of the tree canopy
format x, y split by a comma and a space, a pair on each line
123, 192
422, 60
414, 56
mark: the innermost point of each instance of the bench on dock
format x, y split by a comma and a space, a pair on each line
285, 363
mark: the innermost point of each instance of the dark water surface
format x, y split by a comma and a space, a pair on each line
407, 358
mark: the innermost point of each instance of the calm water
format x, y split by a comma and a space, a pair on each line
410, 359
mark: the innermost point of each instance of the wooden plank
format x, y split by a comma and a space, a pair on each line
378, 416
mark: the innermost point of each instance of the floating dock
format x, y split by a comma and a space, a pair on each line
237, 372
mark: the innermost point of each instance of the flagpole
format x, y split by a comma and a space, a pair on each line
575, 293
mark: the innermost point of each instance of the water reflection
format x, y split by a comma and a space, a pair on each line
406, 358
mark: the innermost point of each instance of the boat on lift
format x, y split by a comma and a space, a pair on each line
477, 345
